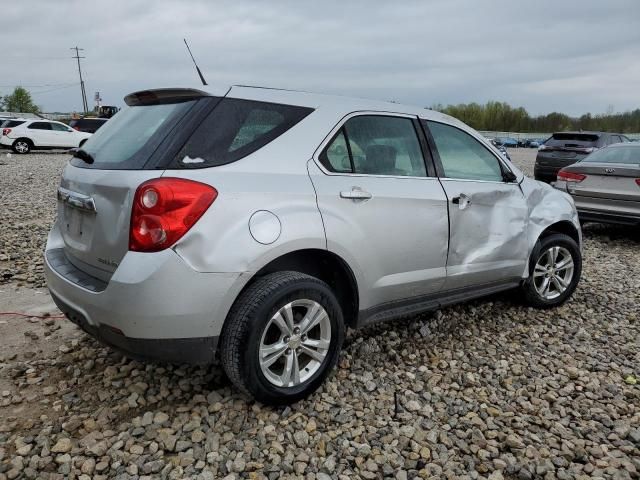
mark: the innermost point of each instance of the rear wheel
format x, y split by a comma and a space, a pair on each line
282, 337
22, 145
554, 271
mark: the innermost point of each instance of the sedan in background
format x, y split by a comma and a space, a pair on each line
565, 148
605, 186
507, 142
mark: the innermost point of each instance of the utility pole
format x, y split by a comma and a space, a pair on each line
85, 105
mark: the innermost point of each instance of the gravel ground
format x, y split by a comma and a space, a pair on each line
488, 389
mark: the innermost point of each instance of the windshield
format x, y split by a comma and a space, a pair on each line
128, 140
627, 154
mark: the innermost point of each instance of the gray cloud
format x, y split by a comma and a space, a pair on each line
571, 56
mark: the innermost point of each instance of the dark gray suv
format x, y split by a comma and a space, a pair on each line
565, 148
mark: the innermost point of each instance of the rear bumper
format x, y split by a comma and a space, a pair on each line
545, 174
154, 306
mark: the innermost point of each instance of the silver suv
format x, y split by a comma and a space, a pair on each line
255, 225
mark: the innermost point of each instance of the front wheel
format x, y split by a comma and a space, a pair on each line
282, 337
554, 271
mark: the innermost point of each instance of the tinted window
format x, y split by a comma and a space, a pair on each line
377, 145
40, 126
622, 154
568, 139
462, 156
59, 127
236, 128
11, 123
128, 139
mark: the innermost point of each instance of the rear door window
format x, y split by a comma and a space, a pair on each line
236, 128
11, 123
376, 145
40, 126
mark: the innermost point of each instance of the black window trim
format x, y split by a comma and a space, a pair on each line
340, 126
436, 155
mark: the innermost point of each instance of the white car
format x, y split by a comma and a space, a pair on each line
41, 134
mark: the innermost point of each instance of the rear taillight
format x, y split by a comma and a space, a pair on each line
6, 131
638, 181
565, 176
76, 128
164, 209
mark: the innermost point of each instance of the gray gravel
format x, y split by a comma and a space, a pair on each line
488, 389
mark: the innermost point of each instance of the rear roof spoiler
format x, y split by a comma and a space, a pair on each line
163, 95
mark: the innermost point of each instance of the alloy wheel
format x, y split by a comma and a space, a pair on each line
294, 343
553, 272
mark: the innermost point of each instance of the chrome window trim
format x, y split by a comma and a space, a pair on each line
341, 123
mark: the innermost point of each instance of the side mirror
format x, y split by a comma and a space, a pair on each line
508, 176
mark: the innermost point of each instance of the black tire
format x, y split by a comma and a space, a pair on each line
530, 294
22, 146
246, 323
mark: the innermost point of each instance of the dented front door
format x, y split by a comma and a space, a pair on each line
487, 238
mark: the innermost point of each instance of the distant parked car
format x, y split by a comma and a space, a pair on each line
605, 185
565, 148
500, 148
508, 142
89, 125
41, 134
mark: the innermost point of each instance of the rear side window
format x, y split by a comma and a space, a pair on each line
376, 145
236, 128
11, 123
40, 126
568, 139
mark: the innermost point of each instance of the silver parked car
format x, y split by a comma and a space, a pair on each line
256, 225
606, 185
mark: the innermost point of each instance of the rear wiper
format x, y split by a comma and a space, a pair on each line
82, 155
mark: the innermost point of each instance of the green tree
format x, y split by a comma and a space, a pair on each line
19, 101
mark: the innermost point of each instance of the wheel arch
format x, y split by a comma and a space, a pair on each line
322, 264
565, 227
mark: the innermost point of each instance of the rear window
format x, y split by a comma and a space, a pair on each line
573, 140
196, 133
128, 140
87, 122
236, 128
620, 154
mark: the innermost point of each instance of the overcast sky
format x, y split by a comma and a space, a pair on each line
574, 56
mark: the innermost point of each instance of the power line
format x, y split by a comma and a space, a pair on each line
54, 89
84, 95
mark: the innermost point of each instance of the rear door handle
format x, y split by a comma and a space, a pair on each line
356, 193
463, 201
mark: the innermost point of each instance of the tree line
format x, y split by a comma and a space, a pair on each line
502, 117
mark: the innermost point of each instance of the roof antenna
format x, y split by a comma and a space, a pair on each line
194, 62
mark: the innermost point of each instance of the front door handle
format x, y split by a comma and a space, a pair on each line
463, 201
356, 193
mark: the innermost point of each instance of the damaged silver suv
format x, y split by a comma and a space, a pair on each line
255, 225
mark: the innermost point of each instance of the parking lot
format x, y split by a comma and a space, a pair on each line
484, 389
